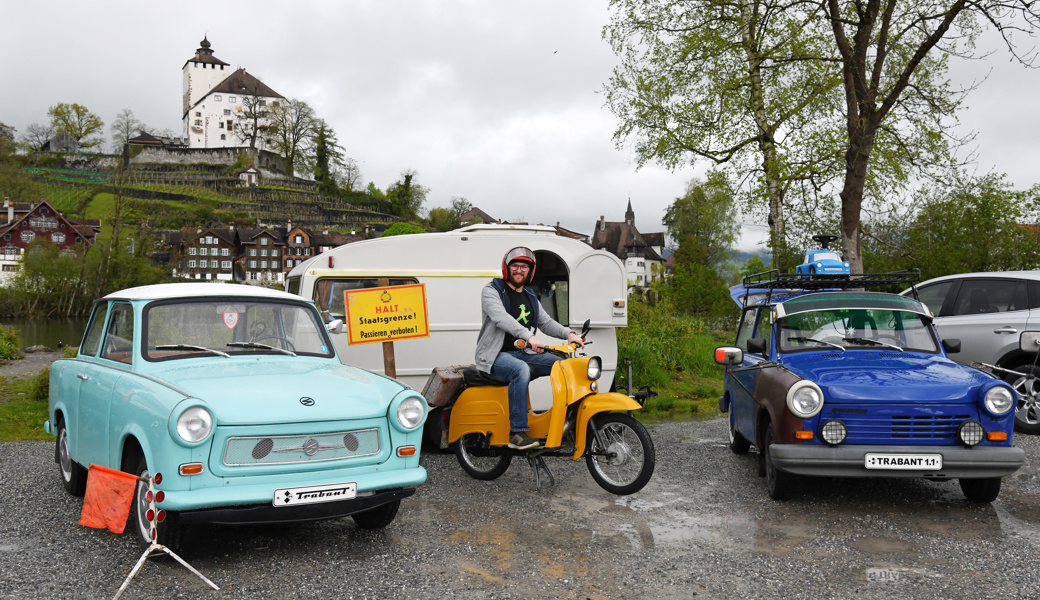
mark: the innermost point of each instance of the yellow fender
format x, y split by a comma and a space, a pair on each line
593, 405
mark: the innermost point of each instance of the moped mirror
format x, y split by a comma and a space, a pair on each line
1029, 341
335, 326
585, 328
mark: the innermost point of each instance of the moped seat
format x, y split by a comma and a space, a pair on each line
472, 376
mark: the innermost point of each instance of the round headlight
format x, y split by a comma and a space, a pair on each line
194, 424
999, 400
595, 368
804, 399
410, 412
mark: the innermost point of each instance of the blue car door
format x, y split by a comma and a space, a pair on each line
742, 384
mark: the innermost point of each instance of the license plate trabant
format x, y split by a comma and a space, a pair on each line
906, 462
316, 493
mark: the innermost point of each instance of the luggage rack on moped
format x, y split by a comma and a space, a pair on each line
769, 286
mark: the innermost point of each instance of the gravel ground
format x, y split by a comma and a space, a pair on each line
704, 527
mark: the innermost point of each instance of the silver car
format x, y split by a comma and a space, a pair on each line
988, 313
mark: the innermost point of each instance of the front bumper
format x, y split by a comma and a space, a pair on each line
270, 514
848, 461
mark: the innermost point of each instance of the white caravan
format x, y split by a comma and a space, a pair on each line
573, 282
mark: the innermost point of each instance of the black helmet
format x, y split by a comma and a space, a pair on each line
521, 254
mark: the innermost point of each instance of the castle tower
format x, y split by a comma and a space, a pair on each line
202, 73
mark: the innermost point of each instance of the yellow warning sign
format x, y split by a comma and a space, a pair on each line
386, 314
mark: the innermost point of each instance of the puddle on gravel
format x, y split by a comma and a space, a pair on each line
876, 545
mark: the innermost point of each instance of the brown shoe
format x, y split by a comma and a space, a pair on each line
522, 441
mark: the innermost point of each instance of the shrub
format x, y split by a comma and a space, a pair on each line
9, 343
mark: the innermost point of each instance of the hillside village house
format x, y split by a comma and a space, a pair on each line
639, 251
223, 108
28, 222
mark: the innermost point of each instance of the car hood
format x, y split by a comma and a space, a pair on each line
885, 377
276, 390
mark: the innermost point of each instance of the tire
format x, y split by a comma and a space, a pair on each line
433, 430
1027, 413
738, 444
633, 462
779, 484
168, 533
378, 517
981, 491
73, 476
480, 462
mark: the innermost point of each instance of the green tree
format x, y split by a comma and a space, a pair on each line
898, 99
706, 212
442, 219
328, 155
48, 280
78, 121
405, 197
741, 83
695, 287
402, 229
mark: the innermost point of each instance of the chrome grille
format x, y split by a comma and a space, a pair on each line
303, 448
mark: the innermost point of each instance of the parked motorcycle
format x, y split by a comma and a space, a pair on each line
581, 422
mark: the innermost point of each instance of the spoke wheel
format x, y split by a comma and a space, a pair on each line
1027, 413
779, 483
485, 463
378, 517
981, 491
738, 444
626, 463
73, 476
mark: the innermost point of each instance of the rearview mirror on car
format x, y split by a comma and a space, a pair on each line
951, 346
729, 356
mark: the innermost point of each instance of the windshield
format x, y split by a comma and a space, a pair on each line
844, 329
228, 327
822, 256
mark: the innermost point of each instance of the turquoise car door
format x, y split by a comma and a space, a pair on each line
98, 379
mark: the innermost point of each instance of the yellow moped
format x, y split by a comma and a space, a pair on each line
581, 422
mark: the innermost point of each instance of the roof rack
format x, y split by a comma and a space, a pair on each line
774, 280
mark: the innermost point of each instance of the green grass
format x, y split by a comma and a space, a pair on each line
23, 413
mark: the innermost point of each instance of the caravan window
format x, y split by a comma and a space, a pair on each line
328, 293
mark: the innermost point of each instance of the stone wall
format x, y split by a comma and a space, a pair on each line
268, 163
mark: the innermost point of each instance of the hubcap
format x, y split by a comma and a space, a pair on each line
1028, 400
63, 456
620, 453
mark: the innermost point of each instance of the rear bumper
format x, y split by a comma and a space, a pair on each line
270, 514
848, 461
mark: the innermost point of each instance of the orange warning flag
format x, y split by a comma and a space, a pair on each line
108, 498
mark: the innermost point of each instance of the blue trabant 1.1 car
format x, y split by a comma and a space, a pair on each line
852, 383
233, 399
823, 262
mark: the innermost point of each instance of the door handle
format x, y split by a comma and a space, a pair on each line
82, 376
1005, 330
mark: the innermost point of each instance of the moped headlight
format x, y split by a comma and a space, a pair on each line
194, 424
999, 400
804, 399
410, 412
595, 368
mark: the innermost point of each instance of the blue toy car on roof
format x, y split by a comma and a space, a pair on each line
822, 262
830, 381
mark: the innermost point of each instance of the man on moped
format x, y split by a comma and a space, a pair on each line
511, 313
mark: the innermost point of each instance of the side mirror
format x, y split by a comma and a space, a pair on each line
951, 346
335, 326
586, 327
729, 356
1030, 341
756, 346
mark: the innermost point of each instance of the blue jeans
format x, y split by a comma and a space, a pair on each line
519, 368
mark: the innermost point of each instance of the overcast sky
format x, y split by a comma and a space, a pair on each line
494, 101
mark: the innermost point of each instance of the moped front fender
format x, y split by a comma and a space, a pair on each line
592, 405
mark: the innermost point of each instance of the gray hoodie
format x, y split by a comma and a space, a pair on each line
496, 321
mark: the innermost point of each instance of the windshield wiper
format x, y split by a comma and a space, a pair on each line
262, 346
809, 339
859, 340
190, 347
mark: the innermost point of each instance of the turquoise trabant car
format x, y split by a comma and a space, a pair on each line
233, 399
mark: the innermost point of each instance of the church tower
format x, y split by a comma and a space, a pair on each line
630, 217
202, 73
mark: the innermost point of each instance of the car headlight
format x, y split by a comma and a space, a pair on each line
595, 368
819, 265
410, 412
999, 400
805, 399
194, 424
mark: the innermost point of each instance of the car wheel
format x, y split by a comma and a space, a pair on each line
812, 272
480, 462
378, 517
738, 444
433, 430
73, 476
981, 491
1027, 413
168, 532
779, 484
